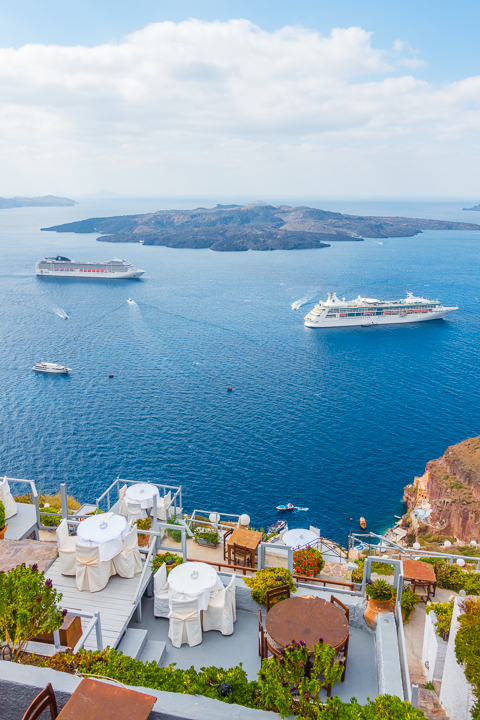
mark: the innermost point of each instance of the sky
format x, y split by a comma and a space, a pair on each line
333, 98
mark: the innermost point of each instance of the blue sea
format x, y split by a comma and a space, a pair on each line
335, 421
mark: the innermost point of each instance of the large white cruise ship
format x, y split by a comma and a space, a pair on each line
65, 268
369, 311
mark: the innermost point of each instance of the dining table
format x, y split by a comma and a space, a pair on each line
420, 572
142, 494
249, 539
311, 619
96, 700
194, 580
300, 538
107, 530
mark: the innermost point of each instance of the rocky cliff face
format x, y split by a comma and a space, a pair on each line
453, 491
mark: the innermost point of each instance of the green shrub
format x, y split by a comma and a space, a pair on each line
467, 648
51, 518
163, 558
308, 562
443, 612
267, 580
28, 606
379, 590
2, 515
208, 534
175, 535
453, 577
408, 602
377, 567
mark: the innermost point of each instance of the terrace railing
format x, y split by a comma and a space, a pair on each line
94, 624
175, 502
34, 493
379, 543
201, 518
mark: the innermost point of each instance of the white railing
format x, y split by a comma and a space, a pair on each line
33, 490
94, 623
175, 502
154, 547
201, 518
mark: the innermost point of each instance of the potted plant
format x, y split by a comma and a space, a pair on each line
206, 536
268, 579
3, 525
380, 596
168, 559
145, 524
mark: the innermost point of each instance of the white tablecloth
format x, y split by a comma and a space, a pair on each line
299, 538
142, 494
183, 587
109, 538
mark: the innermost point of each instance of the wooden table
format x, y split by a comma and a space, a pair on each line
94, 700
307, 619
249, 539
421, 572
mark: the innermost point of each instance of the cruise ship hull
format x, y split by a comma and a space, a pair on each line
377, 320
129, 275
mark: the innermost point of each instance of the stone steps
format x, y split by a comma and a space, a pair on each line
428, 702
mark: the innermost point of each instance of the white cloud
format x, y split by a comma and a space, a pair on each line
235, 108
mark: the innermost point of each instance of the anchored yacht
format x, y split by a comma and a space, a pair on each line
51, 368
370, 311
65, 268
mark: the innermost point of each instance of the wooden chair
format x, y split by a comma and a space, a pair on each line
261, 637
342, 606
241, 556
281, 592
226, 535
424, 597
45, 699
269, 648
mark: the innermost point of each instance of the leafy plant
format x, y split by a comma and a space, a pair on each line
443, 612
2, 515
454, 578
28, 606
285, 686
175, 535
25, 499
379, 590
307, 562
467, 647
163, 558
266, 580
144, 523
208, 534
408, 602
51, 517
429, 685
377, 567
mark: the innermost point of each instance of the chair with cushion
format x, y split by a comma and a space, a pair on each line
7, 498
44, 700
135, 512
241, 556
122, 508
161, 605
92, 575
67, 546
226, 535
315, 530
276, 594
128, 563
164, 511
185, 625
220, 614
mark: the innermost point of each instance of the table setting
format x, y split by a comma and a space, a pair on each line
194, 580
107, 530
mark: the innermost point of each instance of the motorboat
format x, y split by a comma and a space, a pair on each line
278, 527
286, 506
363, 523
130, 301
51, 368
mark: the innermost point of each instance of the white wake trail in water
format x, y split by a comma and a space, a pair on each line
298, 303
60, 312
301, 509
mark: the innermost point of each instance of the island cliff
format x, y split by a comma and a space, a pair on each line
450, 488
44, 201
251, 227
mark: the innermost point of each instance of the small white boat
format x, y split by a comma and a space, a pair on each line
51, 368
286, 506
130, 301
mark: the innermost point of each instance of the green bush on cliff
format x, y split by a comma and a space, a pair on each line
452, 577
467, 648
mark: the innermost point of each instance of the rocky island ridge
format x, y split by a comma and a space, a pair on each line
252, 227
43, 201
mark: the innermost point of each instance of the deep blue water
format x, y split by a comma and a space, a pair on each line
336, 421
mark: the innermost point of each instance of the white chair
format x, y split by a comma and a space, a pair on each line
7, 498
67, 546
221, 613
315, 530
129, 562
92, 574
164, 511
161, 605
185, 625
122, 505
135, 512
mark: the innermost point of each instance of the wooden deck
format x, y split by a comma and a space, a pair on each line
115, 603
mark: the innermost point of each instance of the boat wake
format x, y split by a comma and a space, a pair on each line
61, 313
300, 509
298, 303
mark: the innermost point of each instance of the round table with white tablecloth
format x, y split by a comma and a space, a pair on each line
106, 530
194, 580
142, 494
300, 538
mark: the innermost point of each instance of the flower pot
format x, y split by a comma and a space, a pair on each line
143, 540
374, 607
207, 543
3, 531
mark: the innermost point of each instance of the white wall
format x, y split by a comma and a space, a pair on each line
456, 695
434, 649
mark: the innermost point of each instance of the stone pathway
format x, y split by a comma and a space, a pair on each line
429, 703
16, 552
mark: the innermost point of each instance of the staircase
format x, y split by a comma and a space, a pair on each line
136, 645
428, 702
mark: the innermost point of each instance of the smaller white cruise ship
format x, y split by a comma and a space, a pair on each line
53, 368
369, 311
64, 268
